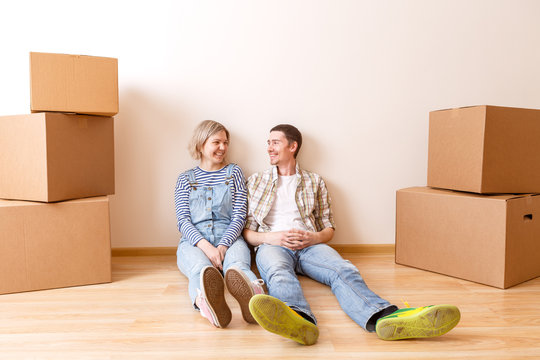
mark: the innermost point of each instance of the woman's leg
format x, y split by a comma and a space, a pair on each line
241, 281
239, 256
191, 260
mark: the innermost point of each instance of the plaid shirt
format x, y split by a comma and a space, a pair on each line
311, 198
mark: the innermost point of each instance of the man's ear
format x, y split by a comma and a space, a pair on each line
293, 147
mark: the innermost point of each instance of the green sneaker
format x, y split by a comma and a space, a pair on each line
421, 322
275, 316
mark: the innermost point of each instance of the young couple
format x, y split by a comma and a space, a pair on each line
285, 213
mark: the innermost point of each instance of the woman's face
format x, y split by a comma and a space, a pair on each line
214, 149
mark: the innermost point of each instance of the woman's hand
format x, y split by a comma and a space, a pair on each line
212, 253
222, 250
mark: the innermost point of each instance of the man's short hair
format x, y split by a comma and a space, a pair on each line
291, 133
201, 133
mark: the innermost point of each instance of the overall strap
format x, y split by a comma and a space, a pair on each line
190, 174
230, 169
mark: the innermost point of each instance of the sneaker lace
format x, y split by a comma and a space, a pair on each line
258, 286
405, 303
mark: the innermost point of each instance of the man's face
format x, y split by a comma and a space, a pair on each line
279, 150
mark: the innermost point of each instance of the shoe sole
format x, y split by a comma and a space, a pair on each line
213, 289
239, 287
275, 316
431, 322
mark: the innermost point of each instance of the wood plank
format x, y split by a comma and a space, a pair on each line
146, 313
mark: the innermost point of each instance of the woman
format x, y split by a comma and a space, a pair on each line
211, 205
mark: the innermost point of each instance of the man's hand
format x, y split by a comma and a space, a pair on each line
300, 239
215, 255
278, 238
293, 239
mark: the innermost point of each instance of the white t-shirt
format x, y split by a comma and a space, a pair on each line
284, 214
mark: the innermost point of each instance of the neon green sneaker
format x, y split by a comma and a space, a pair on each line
421, 322
275, 316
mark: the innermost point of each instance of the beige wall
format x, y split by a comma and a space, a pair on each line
358, 78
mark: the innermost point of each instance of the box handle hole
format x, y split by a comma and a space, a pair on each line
527, 217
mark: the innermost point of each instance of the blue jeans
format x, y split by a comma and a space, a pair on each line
278, 267
191, 260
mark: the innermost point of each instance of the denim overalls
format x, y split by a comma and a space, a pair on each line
211, 211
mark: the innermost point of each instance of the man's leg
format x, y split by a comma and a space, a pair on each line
276, 265
285, 311
324, 264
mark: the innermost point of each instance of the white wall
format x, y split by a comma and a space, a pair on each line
358, 78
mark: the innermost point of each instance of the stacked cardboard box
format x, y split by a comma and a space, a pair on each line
56, 170
479, 217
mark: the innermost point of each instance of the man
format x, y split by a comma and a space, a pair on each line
289, 221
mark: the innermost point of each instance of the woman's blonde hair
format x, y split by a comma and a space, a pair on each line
201, 133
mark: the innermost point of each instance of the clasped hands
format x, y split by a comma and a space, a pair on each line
294, 239
214, 254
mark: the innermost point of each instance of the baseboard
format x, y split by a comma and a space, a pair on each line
341, 248
364, 248
144, 251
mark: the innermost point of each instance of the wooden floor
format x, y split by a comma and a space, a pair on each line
145, 313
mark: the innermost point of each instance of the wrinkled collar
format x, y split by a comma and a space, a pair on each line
275, 172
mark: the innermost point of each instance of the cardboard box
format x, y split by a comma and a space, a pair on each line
54, 157
73, 83
45, 246
485, 149
489, 239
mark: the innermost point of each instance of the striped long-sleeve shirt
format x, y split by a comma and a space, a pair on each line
211, 178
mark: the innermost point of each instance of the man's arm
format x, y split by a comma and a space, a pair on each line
256, 238
323, 220
294, 239
320, 237
301, 239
